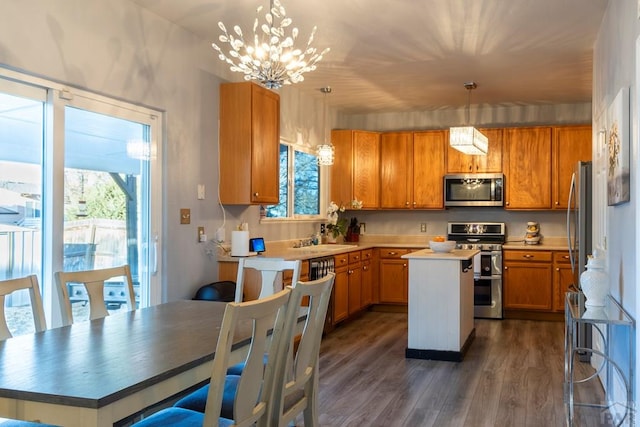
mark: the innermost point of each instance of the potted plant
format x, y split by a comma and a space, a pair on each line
337, 226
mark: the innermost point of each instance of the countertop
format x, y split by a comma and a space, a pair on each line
284, 248
454, 255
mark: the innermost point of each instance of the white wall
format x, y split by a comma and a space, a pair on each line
615, 67
115, 48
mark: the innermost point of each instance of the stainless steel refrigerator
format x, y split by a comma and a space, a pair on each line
579, 233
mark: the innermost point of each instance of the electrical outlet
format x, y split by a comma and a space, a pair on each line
201, 236
363, 228
423, 227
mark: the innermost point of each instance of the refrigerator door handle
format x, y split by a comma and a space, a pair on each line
572, 189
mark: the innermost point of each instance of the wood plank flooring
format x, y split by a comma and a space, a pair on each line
512, 376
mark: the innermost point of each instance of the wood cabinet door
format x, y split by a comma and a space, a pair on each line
458, 162
428, 169
366, 168
341, 295
570, 145
562, 278
527, 168
527, 286
393, 281
355, 288
367, 284
265, 146
342, 168
395, 170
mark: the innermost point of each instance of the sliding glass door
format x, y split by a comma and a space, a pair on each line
79, 189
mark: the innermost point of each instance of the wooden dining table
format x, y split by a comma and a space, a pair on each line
99, 372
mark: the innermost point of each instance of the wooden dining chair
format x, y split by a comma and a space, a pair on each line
9, 286
296, 389
93, 281
270, 271
251, 391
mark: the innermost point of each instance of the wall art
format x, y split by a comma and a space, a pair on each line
618, 178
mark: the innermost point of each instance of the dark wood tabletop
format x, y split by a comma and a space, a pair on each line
92, 364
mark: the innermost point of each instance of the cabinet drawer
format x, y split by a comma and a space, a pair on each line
355, 257
392, 252
527, 256
367, 254
561, 257
341, 260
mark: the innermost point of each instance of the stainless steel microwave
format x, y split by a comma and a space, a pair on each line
479, 189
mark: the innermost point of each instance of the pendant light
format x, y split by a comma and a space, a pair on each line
326, 150
468, 139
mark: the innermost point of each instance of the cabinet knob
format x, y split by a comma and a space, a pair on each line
506, 268
343, 260
557, 269
392, 253
350, 271
406, 203
256, 194
415, 203
527, 256
506, 203
557, 203
404, 265
365, 268
565, 256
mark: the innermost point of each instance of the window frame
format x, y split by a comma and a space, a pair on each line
323, 186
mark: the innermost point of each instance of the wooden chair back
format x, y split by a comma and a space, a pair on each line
256, 382
9, 286
270, 273
296, 389
93, 281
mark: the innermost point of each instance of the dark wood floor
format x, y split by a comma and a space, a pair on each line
512, 376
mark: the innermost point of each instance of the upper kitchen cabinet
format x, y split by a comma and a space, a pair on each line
570, 145
355, 171
249, 144
412, 165
458, 162
526, 162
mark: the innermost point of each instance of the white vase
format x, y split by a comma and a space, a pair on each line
331, 238
594, 282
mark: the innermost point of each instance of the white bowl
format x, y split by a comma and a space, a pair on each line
447, 246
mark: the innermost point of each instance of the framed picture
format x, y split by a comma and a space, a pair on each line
618, 179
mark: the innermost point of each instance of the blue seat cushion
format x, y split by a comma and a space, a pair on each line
197, 401
238, 367
178, 417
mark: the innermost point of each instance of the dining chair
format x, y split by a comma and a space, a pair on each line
93, 281
11, 285
251, 391
270, 272
295, 387
296, 390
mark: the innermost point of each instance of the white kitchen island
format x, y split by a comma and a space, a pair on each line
441, 325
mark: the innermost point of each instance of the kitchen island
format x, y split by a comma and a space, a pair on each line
441, 325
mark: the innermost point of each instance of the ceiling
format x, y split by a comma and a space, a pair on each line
413, 55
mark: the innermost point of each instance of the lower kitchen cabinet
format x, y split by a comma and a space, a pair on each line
394, 276
340, 295
528, 278
367, 278
355, 282
562, 279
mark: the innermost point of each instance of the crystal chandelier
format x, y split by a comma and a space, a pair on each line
270, 56
325, 151
468, 139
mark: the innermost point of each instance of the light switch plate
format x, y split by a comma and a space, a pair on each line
185, 216
200, 191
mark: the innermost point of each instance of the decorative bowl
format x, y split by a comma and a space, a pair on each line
447, 246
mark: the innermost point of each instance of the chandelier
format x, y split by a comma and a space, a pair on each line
269, 56
325, 151
468, 139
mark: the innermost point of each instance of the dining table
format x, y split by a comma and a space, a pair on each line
97, 373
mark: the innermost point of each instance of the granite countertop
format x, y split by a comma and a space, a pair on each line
284, 248
454, 255
546, 244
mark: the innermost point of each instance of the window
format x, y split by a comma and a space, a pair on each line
300, 184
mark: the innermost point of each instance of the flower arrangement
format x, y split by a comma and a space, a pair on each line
337, 226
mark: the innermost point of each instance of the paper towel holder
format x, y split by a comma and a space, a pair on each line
257, 245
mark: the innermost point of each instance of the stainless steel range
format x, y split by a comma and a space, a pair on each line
488, 237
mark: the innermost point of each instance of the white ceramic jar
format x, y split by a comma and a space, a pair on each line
594, 281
